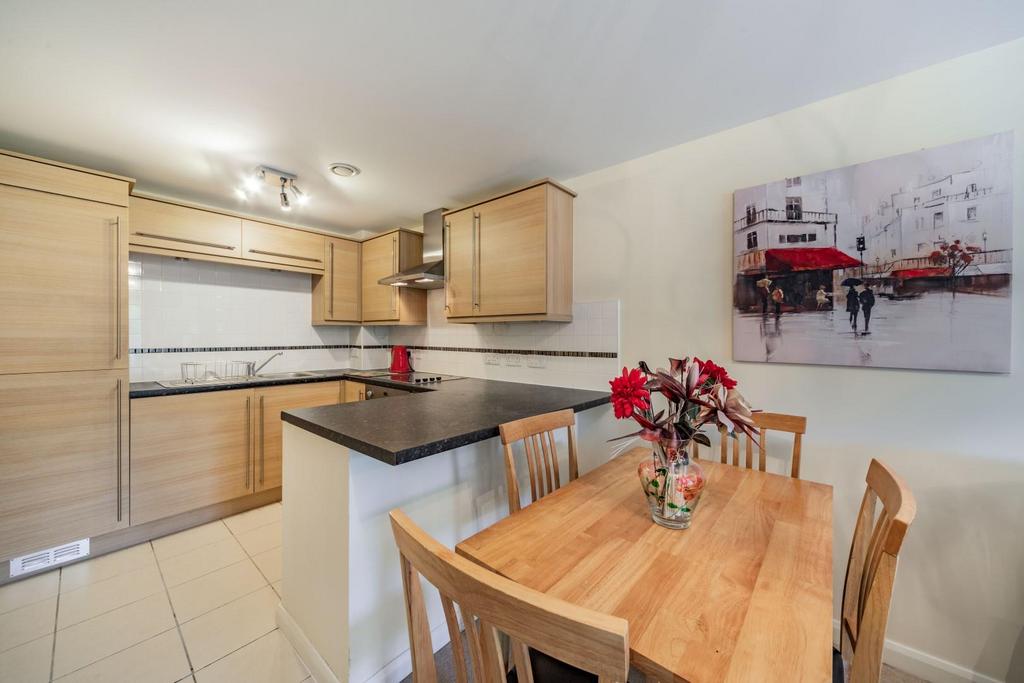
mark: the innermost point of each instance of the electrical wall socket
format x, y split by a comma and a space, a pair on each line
513, 360
353, 353
536, 361
492, 359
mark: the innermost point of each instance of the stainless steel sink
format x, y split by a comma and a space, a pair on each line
284, 375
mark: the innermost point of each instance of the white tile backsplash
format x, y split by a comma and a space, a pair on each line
186, 303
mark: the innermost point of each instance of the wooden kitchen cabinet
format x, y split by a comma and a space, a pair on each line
63, 458
269, 403
385, 255
189, 451
337, 295
510, 258
182, 228
354, 391
63, 283
269, 243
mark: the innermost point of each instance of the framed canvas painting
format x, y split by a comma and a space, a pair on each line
904, 262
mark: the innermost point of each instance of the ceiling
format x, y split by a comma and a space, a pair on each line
440, 103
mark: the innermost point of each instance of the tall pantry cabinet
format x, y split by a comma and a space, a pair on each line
63, 354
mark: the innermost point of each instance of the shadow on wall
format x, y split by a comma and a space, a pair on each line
1016, 670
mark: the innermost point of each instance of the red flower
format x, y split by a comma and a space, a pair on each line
709, 370
628, 393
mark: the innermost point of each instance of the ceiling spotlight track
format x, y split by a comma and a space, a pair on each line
282, 181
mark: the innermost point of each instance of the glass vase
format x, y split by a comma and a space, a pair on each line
672, 484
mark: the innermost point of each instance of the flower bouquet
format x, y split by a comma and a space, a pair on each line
697, 393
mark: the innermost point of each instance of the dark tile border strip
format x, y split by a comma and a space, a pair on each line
454, 349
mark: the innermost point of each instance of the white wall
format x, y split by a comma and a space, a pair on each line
655, 233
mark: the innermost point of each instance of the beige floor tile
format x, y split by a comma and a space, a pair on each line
277, 587
109, 633
94, 599
193, 564
261, 538
217, 588
252, 519
267, 660
106, 566
160, 659
28, 663
21, 625
269, 563
225, 629
27, 591
190, 539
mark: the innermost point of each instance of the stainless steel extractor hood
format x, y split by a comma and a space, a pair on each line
430, 273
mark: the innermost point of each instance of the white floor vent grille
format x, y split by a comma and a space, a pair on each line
49, 558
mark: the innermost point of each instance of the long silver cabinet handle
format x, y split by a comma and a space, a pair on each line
476, 260
119, 422
183, 240
248, 437
277, 253
330, 282
117, 294
262, 451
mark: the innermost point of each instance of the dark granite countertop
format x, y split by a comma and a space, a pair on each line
148, 389
400, 429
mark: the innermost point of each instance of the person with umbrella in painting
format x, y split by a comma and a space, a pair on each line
852, 299
867, 302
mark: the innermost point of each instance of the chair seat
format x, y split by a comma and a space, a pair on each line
550, 670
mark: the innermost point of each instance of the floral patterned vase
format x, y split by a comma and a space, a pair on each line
673, 484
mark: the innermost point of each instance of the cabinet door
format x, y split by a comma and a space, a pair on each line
189, 451
512, 254
344, 302
63, 457
269, 404
63, 283
460, 263
380, 259
354, 391
170, 226
276, 244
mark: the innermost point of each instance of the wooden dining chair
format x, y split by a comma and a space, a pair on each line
550, 639
765, 422
870, 572
538, 436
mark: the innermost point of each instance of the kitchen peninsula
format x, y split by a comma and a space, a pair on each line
432, 452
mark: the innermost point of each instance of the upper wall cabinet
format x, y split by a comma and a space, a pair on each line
510, 258
336, 295
182, 228
63, 268
276, 244
385, 255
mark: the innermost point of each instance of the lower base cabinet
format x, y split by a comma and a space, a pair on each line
189, 451
269, 404
63, 458
193, 450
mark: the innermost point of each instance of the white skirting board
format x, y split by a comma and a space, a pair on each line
922, 664
318, 668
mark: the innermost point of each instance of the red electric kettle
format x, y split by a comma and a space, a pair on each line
400, 359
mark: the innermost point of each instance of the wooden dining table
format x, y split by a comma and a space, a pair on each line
744, 594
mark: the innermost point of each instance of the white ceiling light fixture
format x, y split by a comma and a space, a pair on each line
282, 181
344, 170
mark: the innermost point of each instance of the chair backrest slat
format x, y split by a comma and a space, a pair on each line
491, 605
537, 434
871, 571
455, 636
765, 422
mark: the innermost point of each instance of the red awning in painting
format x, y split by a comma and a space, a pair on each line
807, 258
914, 273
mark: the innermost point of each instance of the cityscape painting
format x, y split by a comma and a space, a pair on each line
904, 262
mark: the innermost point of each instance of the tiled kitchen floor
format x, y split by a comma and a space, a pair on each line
197, 607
